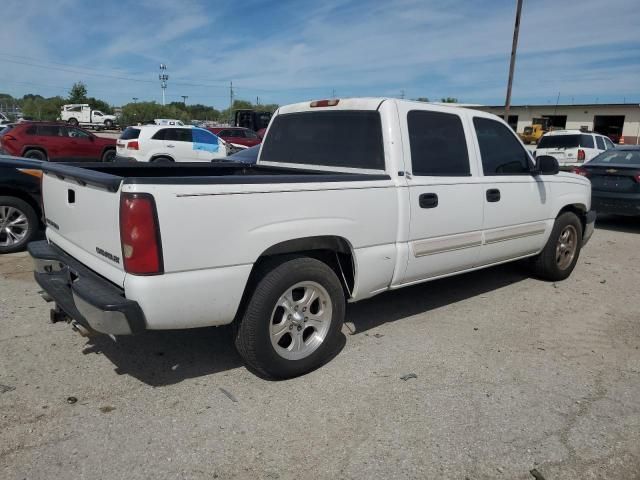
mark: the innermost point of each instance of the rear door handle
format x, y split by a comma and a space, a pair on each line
493, 195
170, 146
428, 200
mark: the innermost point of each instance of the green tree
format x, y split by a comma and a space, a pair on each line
78, 93
449, 100
422, 99
97, 104
41, 108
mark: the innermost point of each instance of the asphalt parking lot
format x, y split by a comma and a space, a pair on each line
511, 374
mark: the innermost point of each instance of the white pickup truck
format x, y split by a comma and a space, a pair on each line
82, 114
349, 198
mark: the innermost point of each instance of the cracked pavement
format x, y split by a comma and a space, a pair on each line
512, 374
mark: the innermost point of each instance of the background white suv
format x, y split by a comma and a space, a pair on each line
572, 147
164, 143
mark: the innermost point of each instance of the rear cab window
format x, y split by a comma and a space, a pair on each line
600, 143
438, 144
559, 141
347, 138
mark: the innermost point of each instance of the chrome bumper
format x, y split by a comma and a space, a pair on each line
84, 296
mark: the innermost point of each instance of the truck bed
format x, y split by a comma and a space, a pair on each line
112, 175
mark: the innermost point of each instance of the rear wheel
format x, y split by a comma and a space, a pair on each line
292, 321
108, 124
73, 121
18, 224
164, 160
108, 155
35, 154
560, 255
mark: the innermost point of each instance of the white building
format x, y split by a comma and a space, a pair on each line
610, 119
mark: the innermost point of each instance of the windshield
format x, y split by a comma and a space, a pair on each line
617, 157
350, 139
559, 141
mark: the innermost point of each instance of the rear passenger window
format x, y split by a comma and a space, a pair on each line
51, 131
586, 141
31, 131
160, 134
600, 143
438, 144
130, 134
501, 152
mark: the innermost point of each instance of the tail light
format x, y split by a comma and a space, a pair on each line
581, 155
324, 103
8, 137
133, 145
580, 171
140, 235
636, 178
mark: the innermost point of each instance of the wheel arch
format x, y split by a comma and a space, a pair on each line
580, 209
26, 148
161, 155
24, 196
335, 251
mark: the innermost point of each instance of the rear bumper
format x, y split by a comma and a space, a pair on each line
616, 203
83, 295
590, 224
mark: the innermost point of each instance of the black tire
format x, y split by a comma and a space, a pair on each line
31, 229
253, 329
109, 155
162, 160
35, 154
108, 124
73, 121
546, 265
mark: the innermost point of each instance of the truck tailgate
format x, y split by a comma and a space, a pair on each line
83, 220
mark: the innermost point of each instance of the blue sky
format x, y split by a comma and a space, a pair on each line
288, 51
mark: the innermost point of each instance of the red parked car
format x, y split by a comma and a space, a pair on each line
55, 142
237, 135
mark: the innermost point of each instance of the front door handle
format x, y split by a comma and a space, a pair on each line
428, 200
493, 195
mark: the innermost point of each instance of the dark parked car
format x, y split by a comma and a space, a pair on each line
248, 155
20, 202
237, 135
55, 142
615, 181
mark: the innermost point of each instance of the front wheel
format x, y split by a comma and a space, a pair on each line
560, 255
292, 322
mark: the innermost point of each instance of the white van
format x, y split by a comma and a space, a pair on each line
572, 147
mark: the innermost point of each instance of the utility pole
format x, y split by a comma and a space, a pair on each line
402, 94
230, 101
184, 99
257, 100
555, 110
163, 77
512, 64
333, 93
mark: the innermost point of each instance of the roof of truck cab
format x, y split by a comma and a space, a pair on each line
373, 103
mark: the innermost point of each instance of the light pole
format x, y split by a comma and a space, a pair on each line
512, 64
184, 99
135, 99
163, 77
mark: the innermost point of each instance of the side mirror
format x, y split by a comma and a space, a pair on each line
546, 165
